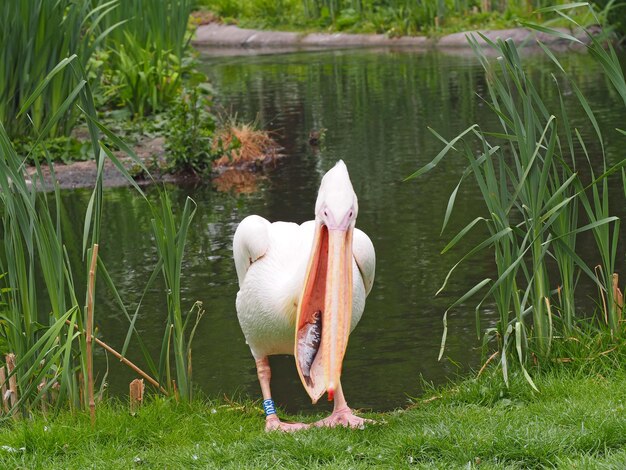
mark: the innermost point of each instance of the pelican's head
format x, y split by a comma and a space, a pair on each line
337, 205
327, 287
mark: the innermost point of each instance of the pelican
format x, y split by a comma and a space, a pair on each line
302, 290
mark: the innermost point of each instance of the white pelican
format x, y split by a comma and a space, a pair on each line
295, 280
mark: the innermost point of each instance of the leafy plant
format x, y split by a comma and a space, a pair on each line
147, 54
189, 142
143, 79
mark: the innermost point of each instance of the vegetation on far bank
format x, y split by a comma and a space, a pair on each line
400, 17
142, 74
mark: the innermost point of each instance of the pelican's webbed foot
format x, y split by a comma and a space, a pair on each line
344, 417
273, 423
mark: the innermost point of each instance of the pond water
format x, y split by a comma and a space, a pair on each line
376, 107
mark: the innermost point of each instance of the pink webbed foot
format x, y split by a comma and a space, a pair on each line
346, 418
273, 423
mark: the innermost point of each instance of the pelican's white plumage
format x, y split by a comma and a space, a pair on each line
274, 262
271, 261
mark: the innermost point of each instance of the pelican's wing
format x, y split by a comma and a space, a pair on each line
250, 243
365, 258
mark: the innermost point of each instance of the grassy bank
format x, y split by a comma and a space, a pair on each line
575, 421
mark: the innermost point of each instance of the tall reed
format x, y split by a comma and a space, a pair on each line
34, 246
161, 24
170, 242
35, 36
533, 191
44, 325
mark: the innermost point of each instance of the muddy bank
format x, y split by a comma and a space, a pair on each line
230, 36
240, 176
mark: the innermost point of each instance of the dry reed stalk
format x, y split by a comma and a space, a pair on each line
90, 295
125, 361
176, 394
10, 359
3, 388
136, 395
491, 358
618, 297
54, 392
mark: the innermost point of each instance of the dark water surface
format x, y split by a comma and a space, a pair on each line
376, 107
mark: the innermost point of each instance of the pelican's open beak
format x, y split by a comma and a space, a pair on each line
325, 311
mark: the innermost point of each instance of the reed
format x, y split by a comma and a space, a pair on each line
170, 239
49, 350
33, 246
595, 197
528, 172
44, 88
160, 24
89, 332
36, 35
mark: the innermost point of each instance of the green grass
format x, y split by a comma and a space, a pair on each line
576, 420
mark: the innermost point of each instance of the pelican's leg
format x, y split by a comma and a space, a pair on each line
342, 414
272, 422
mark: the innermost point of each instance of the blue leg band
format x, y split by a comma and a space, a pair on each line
268, 406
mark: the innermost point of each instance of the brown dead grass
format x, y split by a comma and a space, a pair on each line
248, 146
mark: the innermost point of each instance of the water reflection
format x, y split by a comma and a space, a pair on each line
376, 107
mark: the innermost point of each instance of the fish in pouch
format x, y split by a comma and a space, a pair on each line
309, 338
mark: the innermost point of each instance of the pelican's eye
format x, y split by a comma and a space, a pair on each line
325, 213
351, 214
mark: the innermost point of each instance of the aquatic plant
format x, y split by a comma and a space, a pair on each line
529, 174
45, 339
147, 54
49, 345
170, 242
162, 25
36, 35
